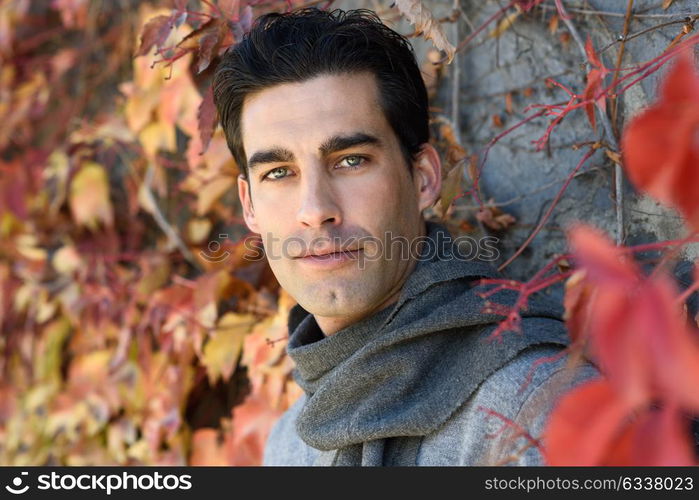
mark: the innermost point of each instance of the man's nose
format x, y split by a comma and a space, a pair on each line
318, 202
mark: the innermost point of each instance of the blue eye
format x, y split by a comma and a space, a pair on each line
356, 163
351, 162
270, 175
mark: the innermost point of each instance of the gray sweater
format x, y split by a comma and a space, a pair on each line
420, 382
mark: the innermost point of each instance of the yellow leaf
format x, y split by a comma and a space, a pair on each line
92, 367
221, 352
66, 260
89, 196
211, 192
207, 315
667, 3
47, 362
139, 108
27, 246
157, 136
451, 187
45, 307
22, 296
56, 179
505, 24
156, 272
198, 229
39, 396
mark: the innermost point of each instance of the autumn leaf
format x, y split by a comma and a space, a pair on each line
155, 33
602, 261
583, 424
208, 448
658, 437
660, 147
508, 103
577, 306
207, 118
198, 229
221, 352
89, 196
494, 218
252, 423
595, 79
212, 191
420, 16
451, 187
206, 41
635, 325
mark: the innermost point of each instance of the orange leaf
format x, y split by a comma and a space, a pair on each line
252, 423
206, 448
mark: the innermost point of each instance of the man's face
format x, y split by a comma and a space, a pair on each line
326, 173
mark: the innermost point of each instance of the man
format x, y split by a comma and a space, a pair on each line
326, 116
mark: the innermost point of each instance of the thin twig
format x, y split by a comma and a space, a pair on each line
589, 12
546, 216
164, 225
609, 132
619, 60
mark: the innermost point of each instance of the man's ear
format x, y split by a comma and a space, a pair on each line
246, 202
427, 176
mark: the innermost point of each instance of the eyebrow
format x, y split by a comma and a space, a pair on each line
330, 145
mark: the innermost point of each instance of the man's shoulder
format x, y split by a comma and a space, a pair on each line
505, 417
284, 446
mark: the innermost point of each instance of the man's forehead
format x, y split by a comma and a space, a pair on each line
308, 113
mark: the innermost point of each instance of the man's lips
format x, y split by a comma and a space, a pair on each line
329, 252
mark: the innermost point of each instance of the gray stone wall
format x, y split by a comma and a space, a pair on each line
520, 179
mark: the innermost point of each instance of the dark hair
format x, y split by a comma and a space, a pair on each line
302, 44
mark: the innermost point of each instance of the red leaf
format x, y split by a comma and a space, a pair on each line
595, 79
207, 118
583, 425
657, 438
661, 146
207, 40
636, 329
592, 55
604, 262
155, 32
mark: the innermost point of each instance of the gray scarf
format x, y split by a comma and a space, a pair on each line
375, 387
